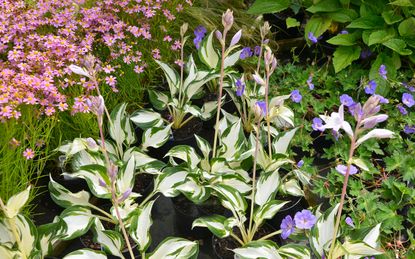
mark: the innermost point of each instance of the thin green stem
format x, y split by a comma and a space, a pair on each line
186, 121
237, 239
270, 235
147, 199
101, 210
254, 177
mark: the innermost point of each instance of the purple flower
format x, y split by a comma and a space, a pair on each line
408, 100
310, 82
263, 107
300, 163
296, 96
200, 31
335, 134
304, 219
402, 109
240, 87
317, 124
343, 169
312, 38
257, 50
383, 72
246, 53
371, 87
409, 129
349, 221
343, 32
287, 227
346, 100
197, 42
365, 54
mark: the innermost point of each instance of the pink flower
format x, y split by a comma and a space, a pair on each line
111, 81
28, 153
156, 53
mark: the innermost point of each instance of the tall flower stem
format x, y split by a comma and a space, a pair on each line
254, 179
222, 75
343, 195
267, 112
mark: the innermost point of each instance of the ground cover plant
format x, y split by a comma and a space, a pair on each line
229, 153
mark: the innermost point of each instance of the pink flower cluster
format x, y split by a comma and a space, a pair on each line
37, 43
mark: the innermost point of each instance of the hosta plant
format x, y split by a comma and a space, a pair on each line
110, 174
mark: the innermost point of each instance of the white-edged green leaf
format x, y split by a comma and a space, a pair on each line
140, 227
125, 176
268, 210
208, 54
215, 223
267, 186
27, 233
185, 153
258, 249
358, 250
208, 110
232, 59
175, 248
16, 203
116, 127
281, 145
294, 251
232, 141
230, 198
194, 190
77, 221
172, 76
156, 137
6, 252
203, 145
169, 179
322, 232
158, 99
110, 241
360, 163
282, 117
146, 119
92, 174
292, 187
303, 176
85, 254
65, 198
194, 86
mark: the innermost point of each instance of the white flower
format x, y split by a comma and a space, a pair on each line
79, 70
376, 133
336, 122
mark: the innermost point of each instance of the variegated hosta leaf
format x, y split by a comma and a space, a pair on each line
215, 223
236, 181
322, 232
294, 251
169, 179
203, 145
185, 153
278, 100
208, 54
232, 59
194, 190
126, 176
86, 254
282, 117
146, 119
262, 159
6, 252
175, 248
227, 121
92, 174
355, 250
275, 163
65, 198
267, 186
258, 249
281, 144
233, 141
156, 137
172, 77
47, 236
140, 226
143, 162
208, 110
119, 121
16, 203
77, 221
268, 210
193, 110
230, 198
27, 234
193, 87
73, 147
292, 187
84, 157
303, 176
111, 241
158, 99
6, 235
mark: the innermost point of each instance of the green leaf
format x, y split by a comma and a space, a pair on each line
140, 226
349, 39
158, 99
344, 15
171, 75
208, 54
318, 24
406, 27
215, 223
391, 17
292, 22
146, 119
65, 198
381, 36
156, 137
344, 56
367, 22
398, 46
324, 6
175, 248
406, 3
268, 6
258, 249
185, 153
86, 253
77, 222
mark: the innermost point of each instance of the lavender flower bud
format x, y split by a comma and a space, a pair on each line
102, 183
258, 79
371, 122
260, 110
236, 38
97, 105
371, 106
79, 70
273, 64
112, 171
125, 195
91, 144
227, 20
218, 35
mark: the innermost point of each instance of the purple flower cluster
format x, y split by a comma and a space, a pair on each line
409, 129
240, 87
296, 96
312, 38
302, 220
383, 72
310, 82
246, 53
199, 33
371, 87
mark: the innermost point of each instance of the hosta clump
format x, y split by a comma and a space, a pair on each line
110, 173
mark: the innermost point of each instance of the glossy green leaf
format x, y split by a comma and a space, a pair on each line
344, 56
268, 6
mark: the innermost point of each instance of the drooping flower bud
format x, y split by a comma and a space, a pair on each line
97, 105
265, 29
79, 70
371, 122
227, 20
371, 106
183, 29
125, 195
